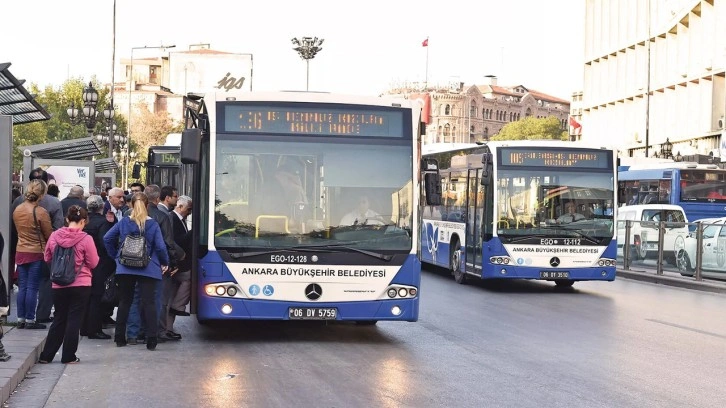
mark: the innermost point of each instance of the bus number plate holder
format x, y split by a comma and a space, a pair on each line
554, 275
312, 313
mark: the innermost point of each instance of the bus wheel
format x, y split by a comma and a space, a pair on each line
366, 322
455, 262
564, 283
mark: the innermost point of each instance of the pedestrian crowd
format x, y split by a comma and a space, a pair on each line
90, 235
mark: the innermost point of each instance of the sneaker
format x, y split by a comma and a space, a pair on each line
131, 341
21, 325
34, 325
4, 356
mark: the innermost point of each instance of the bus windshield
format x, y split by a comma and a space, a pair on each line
561, 203
294, 194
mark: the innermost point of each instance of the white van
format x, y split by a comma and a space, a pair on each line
645, 230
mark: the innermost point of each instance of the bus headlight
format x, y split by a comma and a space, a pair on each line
231, 291
209, 289
392, 293
396, 311
402, 292
220, 290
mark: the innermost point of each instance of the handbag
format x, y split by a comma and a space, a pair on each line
134, 252
110, 290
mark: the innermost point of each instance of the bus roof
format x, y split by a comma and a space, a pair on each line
667, 166
433, 148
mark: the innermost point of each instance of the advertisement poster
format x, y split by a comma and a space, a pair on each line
104, 180
67, 176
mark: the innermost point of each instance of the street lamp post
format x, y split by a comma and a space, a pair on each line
89, 115
307, 47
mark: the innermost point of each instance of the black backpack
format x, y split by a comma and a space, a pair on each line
63, 266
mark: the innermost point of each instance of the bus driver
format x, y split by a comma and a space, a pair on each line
570, 215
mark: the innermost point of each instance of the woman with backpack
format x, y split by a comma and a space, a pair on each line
69, 299
137, 264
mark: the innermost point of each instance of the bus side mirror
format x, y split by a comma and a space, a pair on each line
432, 184
136, 171
191, 146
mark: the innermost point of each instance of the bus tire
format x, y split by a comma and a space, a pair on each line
366, 322
455, 262
564, 283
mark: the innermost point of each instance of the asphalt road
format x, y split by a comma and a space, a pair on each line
512, 344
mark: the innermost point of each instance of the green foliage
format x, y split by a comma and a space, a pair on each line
531, 128
59, 126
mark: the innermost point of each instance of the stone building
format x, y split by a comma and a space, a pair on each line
465, 114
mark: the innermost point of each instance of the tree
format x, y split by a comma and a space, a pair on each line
150, 129
531, 128
59, 127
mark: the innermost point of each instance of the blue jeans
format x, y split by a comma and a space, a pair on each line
29, 277
135, 324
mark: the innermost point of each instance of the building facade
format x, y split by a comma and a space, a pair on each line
160, 83
654, 73
456, 113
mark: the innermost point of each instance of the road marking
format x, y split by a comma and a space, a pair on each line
720, 336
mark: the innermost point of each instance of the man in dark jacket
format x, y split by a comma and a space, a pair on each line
97, 227
75, 197
179, 293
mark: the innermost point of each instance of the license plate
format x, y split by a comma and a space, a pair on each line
313, 313
554, 275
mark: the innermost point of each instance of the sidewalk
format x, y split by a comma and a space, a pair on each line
672, 279
24, 346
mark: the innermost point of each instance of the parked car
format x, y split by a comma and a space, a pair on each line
644, 233
714, 248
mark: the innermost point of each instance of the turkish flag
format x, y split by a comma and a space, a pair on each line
425, 101
425, 43
575, 124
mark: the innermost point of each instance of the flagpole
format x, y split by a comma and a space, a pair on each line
426, 78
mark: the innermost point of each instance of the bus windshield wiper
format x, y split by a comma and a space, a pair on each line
339, 247
240, 255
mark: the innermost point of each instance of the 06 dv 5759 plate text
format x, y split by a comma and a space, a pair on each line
312, 313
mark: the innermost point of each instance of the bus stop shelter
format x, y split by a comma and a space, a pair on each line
17, 106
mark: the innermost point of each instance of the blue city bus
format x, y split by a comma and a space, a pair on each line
700, 189
497, 211
305, 206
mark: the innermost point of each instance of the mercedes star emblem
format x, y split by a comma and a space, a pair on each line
313, 291
555, 262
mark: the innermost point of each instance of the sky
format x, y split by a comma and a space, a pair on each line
369, 46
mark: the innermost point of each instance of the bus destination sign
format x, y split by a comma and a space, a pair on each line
166, 158
562, 158
313, 121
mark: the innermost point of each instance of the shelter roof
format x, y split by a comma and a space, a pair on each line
16, 101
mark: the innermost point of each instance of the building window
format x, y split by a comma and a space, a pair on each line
447, 131
447, 110
486, 133
472, 109
153, 79
528, 113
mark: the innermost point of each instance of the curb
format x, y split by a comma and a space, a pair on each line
24, 346
681, 282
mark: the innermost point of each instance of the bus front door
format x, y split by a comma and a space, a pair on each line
474, 213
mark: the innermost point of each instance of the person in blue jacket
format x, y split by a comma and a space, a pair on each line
127, 277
